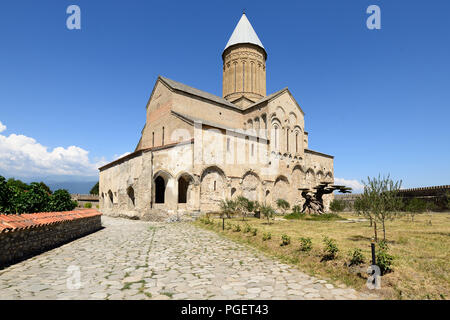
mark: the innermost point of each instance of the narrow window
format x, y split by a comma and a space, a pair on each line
276, 137
214, 185
235, 71
228, 144
287, 140
251, 76
153, 139
296, 142
243, 76
162, 136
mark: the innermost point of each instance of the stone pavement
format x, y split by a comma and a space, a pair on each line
147, 260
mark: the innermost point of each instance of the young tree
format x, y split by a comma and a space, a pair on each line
267, 211
415, 206
383, 200
227, 208
361, 207
242, 204
283, 205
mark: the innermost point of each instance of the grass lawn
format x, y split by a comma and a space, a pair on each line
421, 267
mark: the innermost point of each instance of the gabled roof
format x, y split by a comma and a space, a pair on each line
244, 33
178, 86
273, 96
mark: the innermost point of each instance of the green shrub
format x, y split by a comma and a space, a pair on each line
267, 236
283, 205
383, 258
206, 220
228, 225
324, 217
297, 209
285, 240
237, 227
97, 206
331, 249
356, 257
295, 215
88, 205
254, 231
247, 228
305, 244
337, 205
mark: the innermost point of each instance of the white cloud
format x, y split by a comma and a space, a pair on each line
23, 156
356, 186
2, 127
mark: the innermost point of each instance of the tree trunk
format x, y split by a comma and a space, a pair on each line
375, 230
370, 221
384, 231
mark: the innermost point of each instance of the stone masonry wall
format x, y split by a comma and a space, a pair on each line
19, 243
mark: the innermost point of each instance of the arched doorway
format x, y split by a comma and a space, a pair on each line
183, 186
160, 189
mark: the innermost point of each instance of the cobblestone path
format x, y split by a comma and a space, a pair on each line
146, 260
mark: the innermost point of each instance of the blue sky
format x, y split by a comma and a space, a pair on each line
378, 100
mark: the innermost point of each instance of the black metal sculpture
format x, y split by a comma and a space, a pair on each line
314, 199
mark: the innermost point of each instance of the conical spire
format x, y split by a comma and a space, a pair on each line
244, 33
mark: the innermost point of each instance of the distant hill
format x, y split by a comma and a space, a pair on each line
73, 186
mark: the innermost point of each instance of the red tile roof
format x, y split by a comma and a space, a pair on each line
9, 222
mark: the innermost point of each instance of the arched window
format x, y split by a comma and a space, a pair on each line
160, 189
277, 135
287, 139
296, 142
111, 197
130, 193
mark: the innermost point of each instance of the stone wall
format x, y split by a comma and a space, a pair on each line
23, 236
436, 195
83, 199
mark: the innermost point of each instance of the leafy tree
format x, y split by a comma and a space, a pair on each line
60, 200
415, 206
381, 195
337, 205
36, 199
361, 207
283, 205
267, 211
227, 208
18, 184
5, 196
245, 206
94, 189
46, 187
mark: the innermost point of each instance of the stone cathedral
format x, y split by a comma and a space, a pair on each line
197, 148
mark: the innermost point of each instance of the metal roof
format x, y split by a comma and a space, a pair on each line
244, 33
